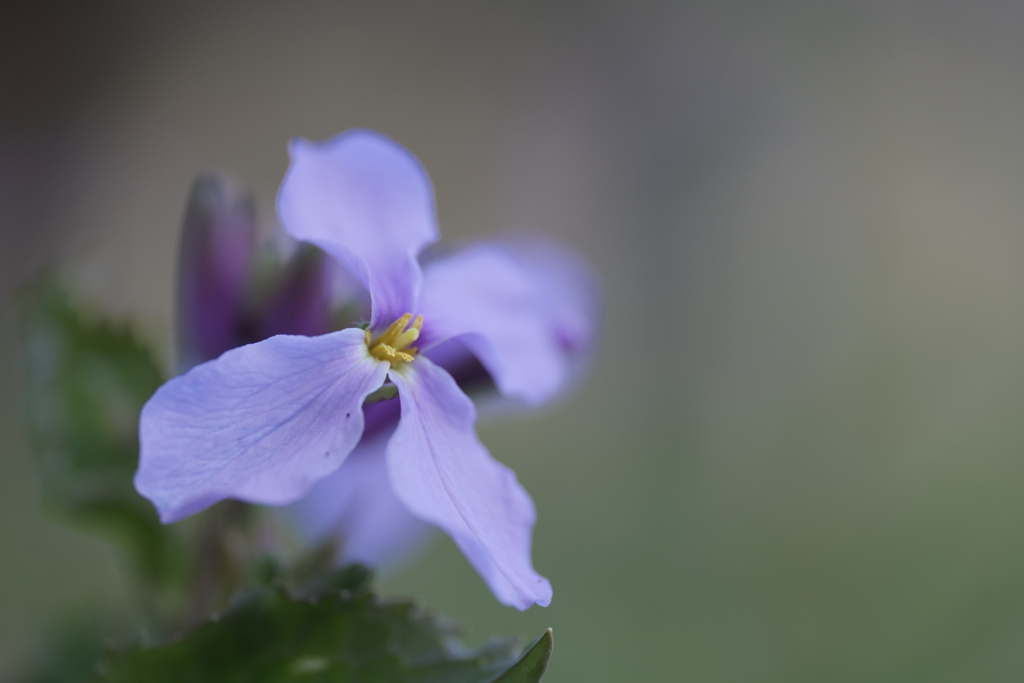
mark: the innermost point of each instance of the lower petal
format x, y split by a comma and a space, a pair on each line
261, 423
445, 476
357, 507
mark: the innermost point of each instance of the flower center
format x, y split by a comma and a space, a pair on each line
392, 344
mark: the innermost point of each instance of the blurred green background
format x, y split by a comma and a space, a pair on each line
800, 454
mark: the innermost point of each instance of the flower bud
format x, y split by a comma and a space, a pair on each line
299, 302
213, 267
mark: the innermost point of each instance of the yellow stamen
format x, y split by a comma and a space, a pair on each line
394, 329
406, 338
392, 344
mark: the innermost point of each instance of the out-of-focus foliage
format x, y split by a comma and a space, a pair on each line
348, 635
69, 653
86, 382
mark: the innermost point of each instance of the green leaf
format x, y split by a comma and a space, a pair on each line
352, 636
385, 393
531, 666
68, 652
86, 382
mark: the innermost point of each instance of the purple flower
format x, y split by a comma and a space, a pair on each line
355, 505
264, 422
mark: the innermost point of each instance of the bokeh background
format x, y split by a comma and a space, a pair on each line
800, 454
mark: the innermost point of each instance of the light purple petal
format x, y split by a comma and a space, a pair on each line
464, 367
357, 506
571, 293
520, 324
261, 423
367, 201
445, 476
346, 292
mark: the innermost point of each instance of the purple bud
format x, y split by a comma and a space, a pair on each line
213, 267
299, 303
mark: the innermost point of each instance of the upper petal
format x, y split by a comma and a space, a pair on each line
367, 201
528, 312
261, 423
445, 476
357, 507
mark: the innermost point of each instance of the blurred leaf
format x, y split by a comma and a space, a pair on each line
531, 666
86, 382
351, 636
68, 654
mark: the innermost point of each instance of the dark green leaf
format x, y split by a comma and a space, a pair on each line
68, 653
352, 636
531, 666
86, 382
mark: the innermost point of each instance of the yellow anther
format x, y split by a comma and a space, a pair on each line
392, 344
406, 338
394, 329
